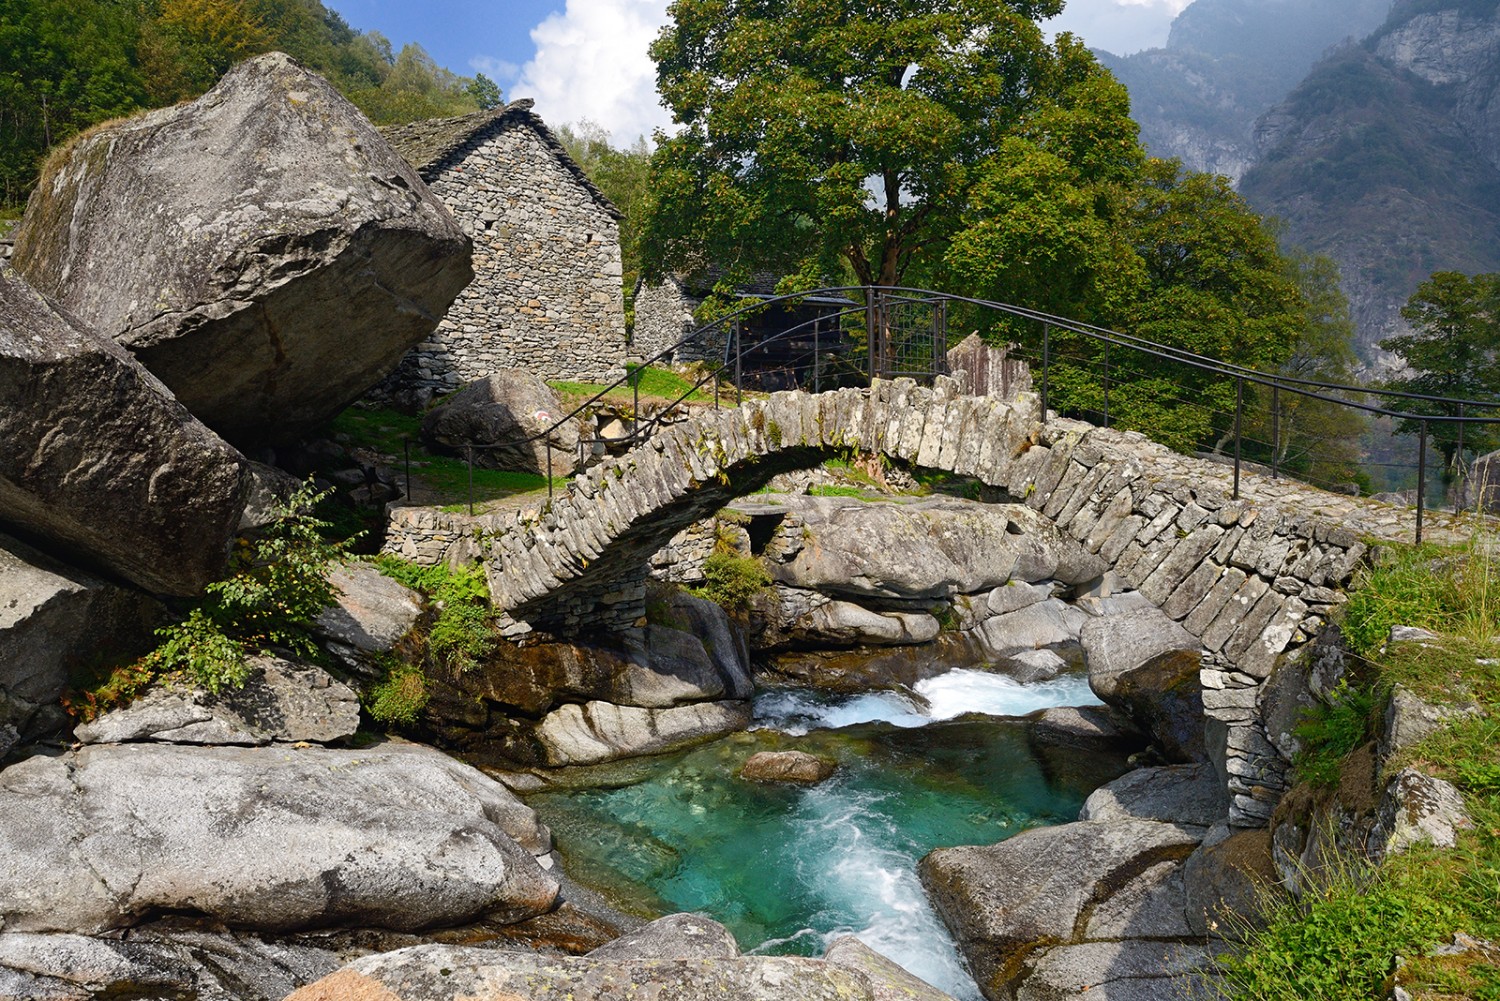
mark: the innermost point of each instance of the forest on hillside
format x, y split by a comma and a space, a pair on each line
68, 64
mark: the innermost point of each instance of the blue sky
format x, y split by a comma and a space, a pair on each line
586, 59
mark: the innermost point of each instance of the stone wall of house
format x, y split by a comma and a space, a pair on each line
663, 316
546, 293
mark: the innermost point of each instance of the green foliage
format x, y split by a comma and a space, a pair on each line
1338, 944
656, 383
463, 634
68, 64
278, 586
1437, 588
1330, 730
820, 138
732, 581
400, 698
1452, 351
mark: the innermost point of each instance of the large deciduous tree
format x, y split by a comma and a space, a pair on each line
825, 135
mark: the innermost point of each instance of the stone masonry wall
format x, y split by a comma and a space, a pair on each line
664, 316
546, 292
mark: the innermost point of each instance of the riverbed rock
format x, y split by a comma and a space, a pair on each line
933, 548
1002, 901
888, 981
1192, 795
262, 249
1115, 645
180, 966
98, 460
450, 973
786, 766
843, 623
282, 701
864, 668
676, 936
371, 613
1088, 727
1131, 970
1050, 624
274, 839
507, 416
54, 621
1229, 880
602, 731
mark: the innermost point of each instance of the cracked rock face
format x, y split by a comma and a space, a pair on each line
98, 459
272, 839
262, 250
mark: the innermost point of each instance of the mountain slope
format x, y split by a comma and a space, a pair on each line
1387, 158
1225, 63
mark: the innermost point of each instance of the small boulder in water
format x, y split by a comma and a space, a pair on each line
786, 766
676, 936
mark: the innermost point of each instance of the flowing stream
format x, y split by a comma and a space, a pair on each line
787, 868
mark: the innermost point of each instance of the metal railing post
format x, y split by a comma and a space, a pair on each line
817, 356
873, 334
1458, 453
548, 471
1106, 383
1046, 364
1275, 431
469, 454
1239, 407
1421, 478
406, 445
716, 389
739, 372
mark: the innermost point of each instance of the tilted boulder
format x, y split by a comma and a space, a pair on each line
98, 460
508, 417
262, 250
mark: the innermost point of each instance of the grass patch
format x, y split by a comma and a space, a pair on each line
388, 431
660, 385
1330, 731
836, 490
463, 634
1444, 589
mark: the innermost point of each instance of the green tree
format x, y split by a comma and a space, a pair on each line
1451, 352
825, 136
484, 91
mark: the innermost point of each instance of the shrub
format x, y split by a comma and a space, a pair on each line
732, 581
278, 586
463, 634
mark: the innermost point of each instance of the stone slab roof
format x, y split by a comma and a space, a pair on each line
431, 145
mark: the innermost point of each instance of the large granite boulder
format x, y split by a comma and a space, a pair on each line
1043, 887
262, 249
274, 839
97, 459
934, 548
55, 621
676, 936
449, 973
508, 417
602, 731
370, 615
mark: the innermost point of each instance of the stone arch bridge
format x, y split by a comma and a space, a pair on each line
1251, 578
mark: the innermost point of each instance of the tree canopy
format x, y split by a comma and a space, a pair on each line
837, 136
1453, 352
68, 64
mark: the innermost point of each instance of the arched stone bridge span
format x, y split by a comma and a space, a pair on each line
1250, 578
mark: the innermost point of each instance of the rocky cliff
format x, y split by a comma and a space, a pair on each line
1387, 158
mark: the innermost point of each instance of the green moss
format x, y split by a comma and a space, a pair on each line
732, 581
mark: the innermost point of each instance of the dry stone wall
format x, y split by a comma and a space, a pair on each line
546, 292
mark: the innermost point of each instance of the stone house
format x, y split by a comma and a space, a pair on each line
546, 292
780, 342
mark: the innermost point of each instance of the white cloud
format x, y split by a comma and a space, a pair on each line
591, 62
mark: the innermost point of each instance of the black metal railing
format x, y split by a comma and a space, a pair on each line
895, 346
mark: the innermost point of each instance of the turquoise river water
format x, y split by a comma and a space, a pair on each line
788, 869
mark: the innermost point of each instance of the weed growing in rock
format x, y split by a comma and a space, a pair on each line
1330, 730
400, 698
463, 634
